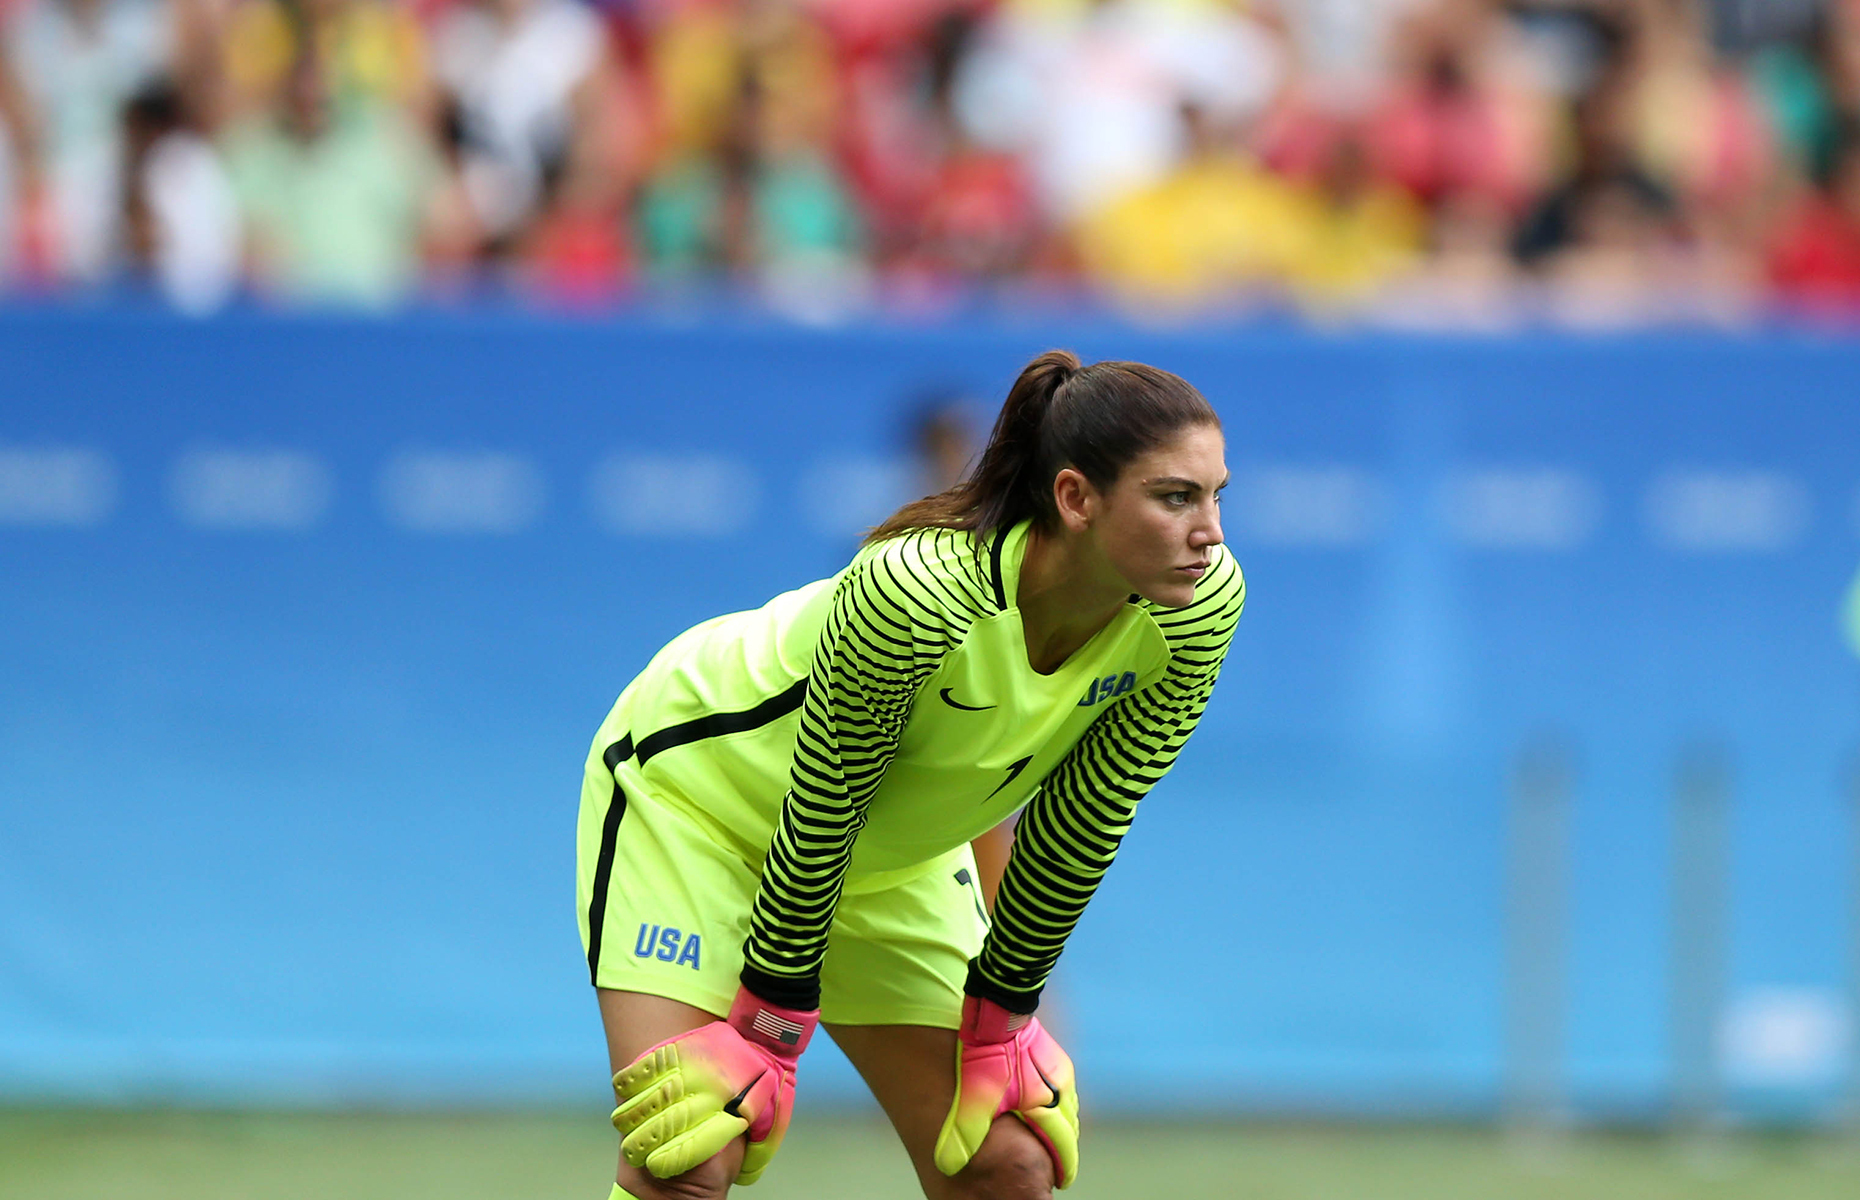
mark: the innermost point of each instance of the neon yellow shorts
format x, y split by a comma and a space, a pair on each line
665, 907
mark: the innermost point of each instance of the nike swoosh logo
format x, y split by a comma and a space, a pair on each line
958, 704
1054, 1102
736, 1101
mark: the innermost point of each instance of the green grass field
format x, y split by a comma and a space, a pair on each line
83, 1155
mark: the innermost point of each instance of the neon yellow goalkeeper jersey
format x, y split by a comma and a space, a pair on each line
869, 723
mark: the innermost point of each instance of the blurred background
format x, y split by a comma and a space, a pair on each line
383, 381
1408, 162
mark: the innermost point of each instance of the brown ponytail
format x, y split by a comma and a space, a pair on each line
1059, 413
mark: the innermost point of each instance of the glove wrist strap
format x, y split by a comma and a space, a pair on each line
986, 1023
780, 1031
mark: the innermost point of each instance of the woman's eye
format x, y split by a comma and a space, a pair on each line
1177, 499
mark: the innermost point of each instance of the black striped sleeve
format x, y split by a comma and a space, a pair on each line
1070, 832
897, 611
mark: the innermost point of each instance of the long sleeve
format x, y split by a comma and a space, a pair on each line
1071, 830
892, 622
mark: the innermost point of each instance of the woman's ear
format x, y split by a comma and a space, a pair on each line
1075, 498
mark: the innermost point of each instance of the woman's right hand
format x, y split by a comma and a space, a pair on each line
685, 1099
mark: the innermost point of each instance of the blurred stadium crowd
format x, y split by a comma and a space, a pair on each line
1454, 162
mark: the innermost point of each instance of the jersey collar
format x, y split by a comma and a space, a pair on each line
1006, 550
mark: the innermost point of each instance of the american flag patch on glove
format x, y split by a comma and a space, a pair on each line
787, 1032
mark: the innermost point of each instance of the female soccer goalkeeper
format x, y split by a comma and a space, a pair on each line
775, 822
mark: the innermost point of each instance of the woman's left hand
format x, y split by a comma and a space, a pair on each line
1007, 1063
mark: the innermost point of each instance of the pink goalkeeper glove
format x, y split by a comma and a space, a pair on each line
1006, 1063
685, 1099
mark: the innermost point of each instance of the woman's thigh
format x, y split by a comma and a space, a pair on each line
635, 1022
911, 1070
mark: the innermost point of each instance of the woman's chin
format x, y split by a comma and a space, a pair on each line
1170, 595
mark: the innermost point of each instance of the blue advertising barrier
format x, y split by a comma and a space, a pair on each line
305, 626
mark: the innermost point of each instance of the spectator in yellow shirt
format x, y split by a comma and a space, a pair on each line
1216, 228
371, 49
1354, 233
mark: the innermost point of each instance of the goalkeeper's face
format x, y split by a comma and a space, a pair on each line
1157, 525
